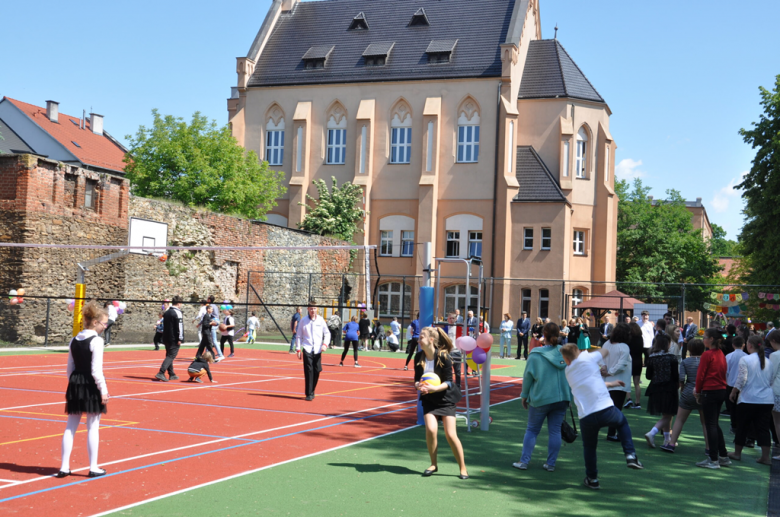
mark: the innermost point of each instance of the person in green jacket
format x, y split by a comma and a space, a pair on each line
546, 394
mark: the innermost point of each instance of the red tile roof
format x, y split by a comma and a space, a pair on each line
96, 150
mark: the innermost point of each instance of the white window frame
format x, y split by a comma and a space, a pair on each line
90, 193
528, 234
452, 236
400, 145
468, 143
386, 243
606, 165
390, 292
581, 149
566, 158
407, 238
548, 239
274, 146
337, 147
579, 242
474, 240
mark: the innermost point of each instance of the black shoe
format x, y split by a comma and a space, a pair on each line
157, 348
429, 472
633, 463
592, 483
62, 474
462, 476
174, 377
161, 377
668, 448
612, 438
96, 473
309, 398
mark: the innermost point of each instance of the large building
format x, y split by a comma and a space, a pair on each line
464, 127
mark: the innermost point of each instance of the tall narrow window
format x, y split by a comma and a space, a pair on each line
475, 244
525, 305
510, 146
337, 146
429, 152
582, 153
566, 152
89, 194
401, 145
606, 168
546, 238
468, 144
453, 244
544, 303
299, 150
363, 135
528, 238
386, 243
579, 242
274, 147
407, 244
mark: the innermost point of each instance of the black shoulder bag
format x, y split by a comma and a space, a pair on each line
569, 433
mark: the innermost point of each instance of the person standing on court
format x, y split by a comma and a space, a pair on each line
296, 319
215, 312
523, 329
395, 328
313, 335
112, 316
365, 332
173, 337
411, 345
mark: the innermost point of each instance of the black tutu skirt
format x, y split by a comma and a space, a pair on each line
662, 403
83, 395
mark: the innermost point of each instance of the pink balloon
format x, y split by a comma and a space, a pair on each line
466, 343
479, 356
115, 303
484, 341
14, 301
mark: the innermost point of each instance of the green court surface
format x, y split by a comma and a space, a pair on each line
381, 477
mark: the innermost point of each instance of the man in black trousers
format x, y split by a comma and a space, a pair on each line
313, 335
173, 336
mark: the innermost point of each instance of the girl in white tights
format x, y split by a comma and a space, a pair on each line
87, 391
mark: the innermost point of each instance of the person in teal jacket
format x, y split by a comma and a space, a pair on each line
546, 394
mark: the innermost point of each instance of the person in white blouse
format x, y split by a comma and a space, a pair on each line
506, 336
313, 336
773, 340
87, 391
616, 366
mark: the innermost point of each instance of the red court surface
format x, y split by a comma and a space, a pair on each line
159, 438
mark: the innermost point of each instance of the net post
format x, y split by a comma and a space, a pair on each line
78, 322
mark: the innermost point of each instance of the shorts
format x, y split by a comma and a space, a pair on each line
196, 373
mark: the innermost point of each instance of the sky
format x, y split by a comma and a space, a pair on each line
681, 78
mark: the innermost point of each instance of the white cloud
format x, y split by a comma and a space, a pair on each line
720, 203
628, 169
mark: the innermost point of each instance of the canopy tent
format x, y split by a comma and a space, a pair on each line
611, 301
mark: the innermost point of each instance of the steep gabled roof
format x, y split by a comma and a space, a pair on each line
550, 73
11, 142
537, 184
479, 26
101, 151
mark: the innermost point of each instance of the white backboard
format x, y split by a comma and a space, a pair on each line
144, 232
656, 310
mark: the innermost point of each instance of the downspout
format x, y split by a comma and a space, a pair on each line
495, 195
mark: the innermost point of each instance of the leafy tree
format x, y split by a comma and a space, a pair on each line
657, 244
200, 164
759, 239
336, 213
719, 245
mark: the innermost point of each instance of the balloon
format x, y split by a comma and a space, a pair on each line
226, 302
466, 343
19, 300
479, 356
20, 292
115, 303
71, 307
471, 364
229, 307
222, 307
484, 341
14, 301
122, 306
120, 311
163, 258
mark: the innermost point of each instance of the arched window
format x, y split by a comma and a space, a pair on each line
401, 134
582, 153
468, 132
337, 135
455, 298
274, 142
390, 302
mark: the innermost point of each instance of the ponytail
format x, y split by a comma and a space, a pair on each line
758, 344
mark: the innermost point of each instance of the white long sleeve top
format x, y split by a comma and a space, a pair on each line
753, 383
506, 326
774, 361
313, 335
618, 363
96, 347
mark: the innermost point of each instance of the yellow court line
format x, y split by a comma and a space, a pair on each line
60, 434
63, 414
365, 388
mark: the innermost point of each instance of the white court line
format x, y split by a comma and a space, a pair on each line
133, 505
253, 433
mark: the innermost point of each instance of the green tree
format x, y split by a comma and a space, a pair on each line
720, 246
200, 164
336, 213
657, 244
759, 239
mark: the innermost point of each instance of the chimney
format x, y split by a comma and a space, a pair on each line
53, 111
288, 5
96, 123
698, 201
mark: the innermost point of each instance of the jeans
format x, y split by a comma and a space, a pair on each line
590, 427
554, 413
214, 340
107, 332
756, 418
292, 343
711, 401
506, 339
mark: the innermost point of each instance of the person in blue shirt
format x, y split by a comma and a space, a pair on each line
351, 336
411, 346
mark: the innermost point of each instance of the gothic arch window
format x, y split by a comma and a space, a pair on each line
468, 131
274, 135
581, 153
337, 134
401, 133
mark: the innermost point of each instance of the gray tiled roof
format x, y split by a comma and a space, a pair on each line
318, 52
441, 45
537, 184
11, 142
480, 26
379, 49
550, 72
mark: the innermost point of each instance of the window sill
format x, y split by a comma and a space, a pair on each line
580, 254
341, 163
407, 256
545, 249
587, 178
465, 163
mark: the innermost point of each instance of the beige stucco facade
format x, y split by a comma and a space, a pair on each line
434, 193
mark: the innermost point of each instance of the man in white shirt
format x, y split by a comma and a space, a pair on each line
113, 314
313, 335
458, 317
648, 333
251, 327
395, 328
595, 408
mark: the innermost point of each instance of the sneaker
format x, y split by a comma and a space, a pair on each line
520, 465
750, 444
174, 377
357, 365
218, 359
650, 440
341, 364
198, 379
776, 457
668, 448
611, 438
724, 461
161, 377
636, 406
708, 464
628, 403
548, 468
96, 473
231, 355
592, 483
633, 463
406, 368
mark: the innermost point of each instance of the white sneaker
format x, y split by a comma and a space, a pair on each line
708, 464
650, 440
520, 465
724, 461
776, 457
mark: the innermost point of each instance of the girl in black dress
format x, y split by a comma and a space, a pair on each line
663, 372
438, 401
87, 391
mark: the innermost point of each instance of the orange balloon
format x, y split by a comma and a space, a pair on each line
20, 292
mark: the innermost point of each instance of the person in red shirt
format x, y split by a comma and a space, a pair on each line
710, 392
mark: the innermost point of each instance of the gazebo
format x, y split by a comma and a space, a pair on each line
614, 301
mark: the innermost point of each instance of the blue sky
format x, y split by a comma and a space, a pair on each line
681, 78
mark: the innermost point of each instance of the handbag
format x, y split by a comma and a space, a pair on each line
569, 433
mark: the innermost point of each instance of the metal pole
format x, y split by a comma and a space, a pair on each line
403, 306
48, 306
368, 278
246, 311
563, 296
308, 299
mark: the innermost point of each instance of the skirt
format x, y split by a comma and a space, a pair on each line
663, 403
439, 410
688, 401
636, 366
583, 342
83, 396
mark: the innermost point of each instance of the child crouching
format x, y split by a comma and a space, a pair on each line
200, 367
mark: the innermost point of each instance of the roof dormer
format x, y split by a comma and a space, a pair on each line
315, 57
440, 50
359, 22
419, 19
377, 53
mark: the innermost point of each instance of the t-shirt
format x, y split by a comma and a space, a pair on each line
229, 320
587, 386
395, 327
296, 317
112, 312
648, 333
252, 323
732, 366
392, 339
774, 363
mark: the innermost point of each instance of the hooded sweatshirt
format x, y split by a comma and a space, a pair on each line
544, 380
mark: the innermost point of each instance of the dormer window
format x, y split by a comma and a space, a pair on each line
315, 57
359, 22
440, 51
420, 19
377, 53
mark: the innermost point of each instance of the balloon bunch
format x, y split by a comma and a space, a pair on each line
15, 296
71, 304
121, 307
476, 350
226, 307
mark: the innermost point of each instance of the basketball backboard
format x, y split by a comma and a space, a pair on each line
144, 232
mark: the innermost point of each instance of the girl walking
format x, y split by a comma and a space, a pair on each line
636, 348
710, 392
227, 334
506, 336
87, 391
438, 402
663, 373
351, 336
688, 370
617, 368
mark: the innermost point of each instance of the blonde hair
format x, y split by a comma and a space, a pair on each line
441, 342
206, 355
353, 319
539, 321
569, 351
91, 313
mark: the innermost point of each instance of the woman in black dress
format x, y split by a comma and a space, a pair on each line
87, 391
438, 401
636, 347
663, 372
